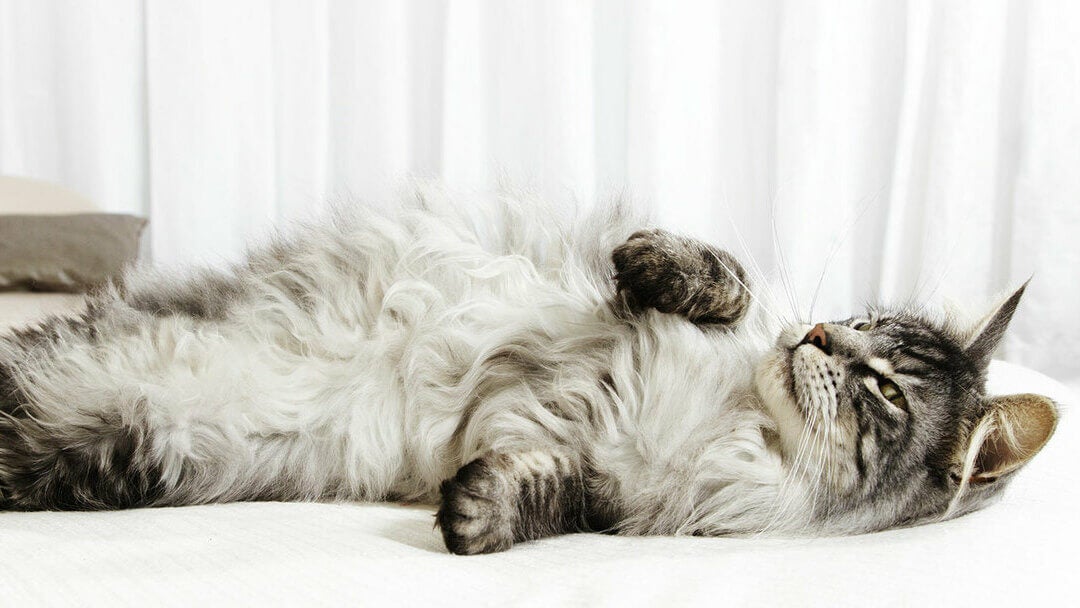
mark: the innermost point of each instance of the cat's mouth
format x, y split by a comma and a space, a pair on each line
815, 378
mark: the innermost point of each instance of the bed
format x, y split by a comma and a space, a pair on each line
1021, 551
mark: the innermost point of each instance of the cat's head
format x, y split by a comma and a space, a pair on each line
886, 418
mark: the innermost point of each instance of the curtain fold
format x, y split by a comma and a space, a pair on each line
884, 151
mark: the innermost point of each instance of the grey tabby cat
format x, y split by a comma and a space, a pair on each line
532, 379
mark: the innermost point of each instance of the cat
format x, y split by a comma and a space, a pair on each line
529, 377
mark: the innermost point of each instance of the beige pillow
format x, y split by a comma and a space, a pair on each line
66, 252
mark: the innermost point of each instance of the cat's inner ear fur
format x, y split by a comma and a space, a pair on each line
1013, 430
982, 340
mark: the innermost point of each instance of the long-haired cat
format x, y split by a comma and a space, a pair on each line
532, 377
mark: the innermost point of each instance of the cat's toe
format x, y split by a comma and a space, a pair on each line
475, 516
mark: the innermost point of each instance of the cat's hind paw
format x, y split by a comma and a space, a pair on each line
477, 512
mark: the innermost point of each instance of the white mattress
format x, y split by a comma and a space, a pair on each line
20, 308
1020, 552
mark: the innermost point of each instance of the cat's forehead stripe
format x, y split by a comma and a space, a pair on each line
918, 340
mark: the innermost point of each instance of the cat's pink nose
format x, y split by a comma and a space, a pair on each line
819, 338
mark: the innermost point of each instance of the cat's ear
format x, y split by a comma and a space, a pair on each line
982, 340
1013, 430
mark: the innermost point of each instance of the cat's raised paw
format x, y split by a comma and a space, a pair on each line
678, 275
477, 512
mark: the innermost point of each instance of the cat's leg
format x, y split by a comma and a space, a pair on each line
121, 407
502, 498
679, 275
59, 449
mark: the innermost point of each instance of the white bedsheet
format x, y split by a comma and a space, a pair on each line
1020, 552
20, 308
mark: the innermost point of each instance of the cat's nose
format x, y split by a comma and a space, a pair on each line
819, 338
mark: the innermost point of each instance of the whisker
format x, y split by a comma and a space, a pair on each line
865, 205
946, 268
782, 499
781, 260
749, 292
797, 470
762, 278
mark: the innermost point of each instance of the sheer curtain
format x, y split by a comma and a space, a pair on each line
922, 149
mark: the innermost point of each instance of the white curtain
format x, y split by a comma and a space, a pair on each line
922, 148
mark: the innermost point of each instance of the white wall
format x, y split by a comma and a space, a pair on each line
925, 148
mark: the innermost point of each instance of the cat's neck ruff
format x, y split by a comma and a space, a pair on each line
696, 447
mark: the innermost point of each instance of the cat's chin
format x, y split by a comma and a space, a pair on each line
774, 383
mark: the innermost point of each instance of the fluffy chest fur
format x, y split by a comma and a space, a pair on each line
371, 356
458, 349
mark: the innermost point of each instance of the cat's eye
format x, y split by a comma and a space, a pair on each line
862, 326
890, 391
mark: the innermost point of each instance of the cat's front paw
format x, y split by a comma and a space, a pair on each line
476, 515
674, 274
